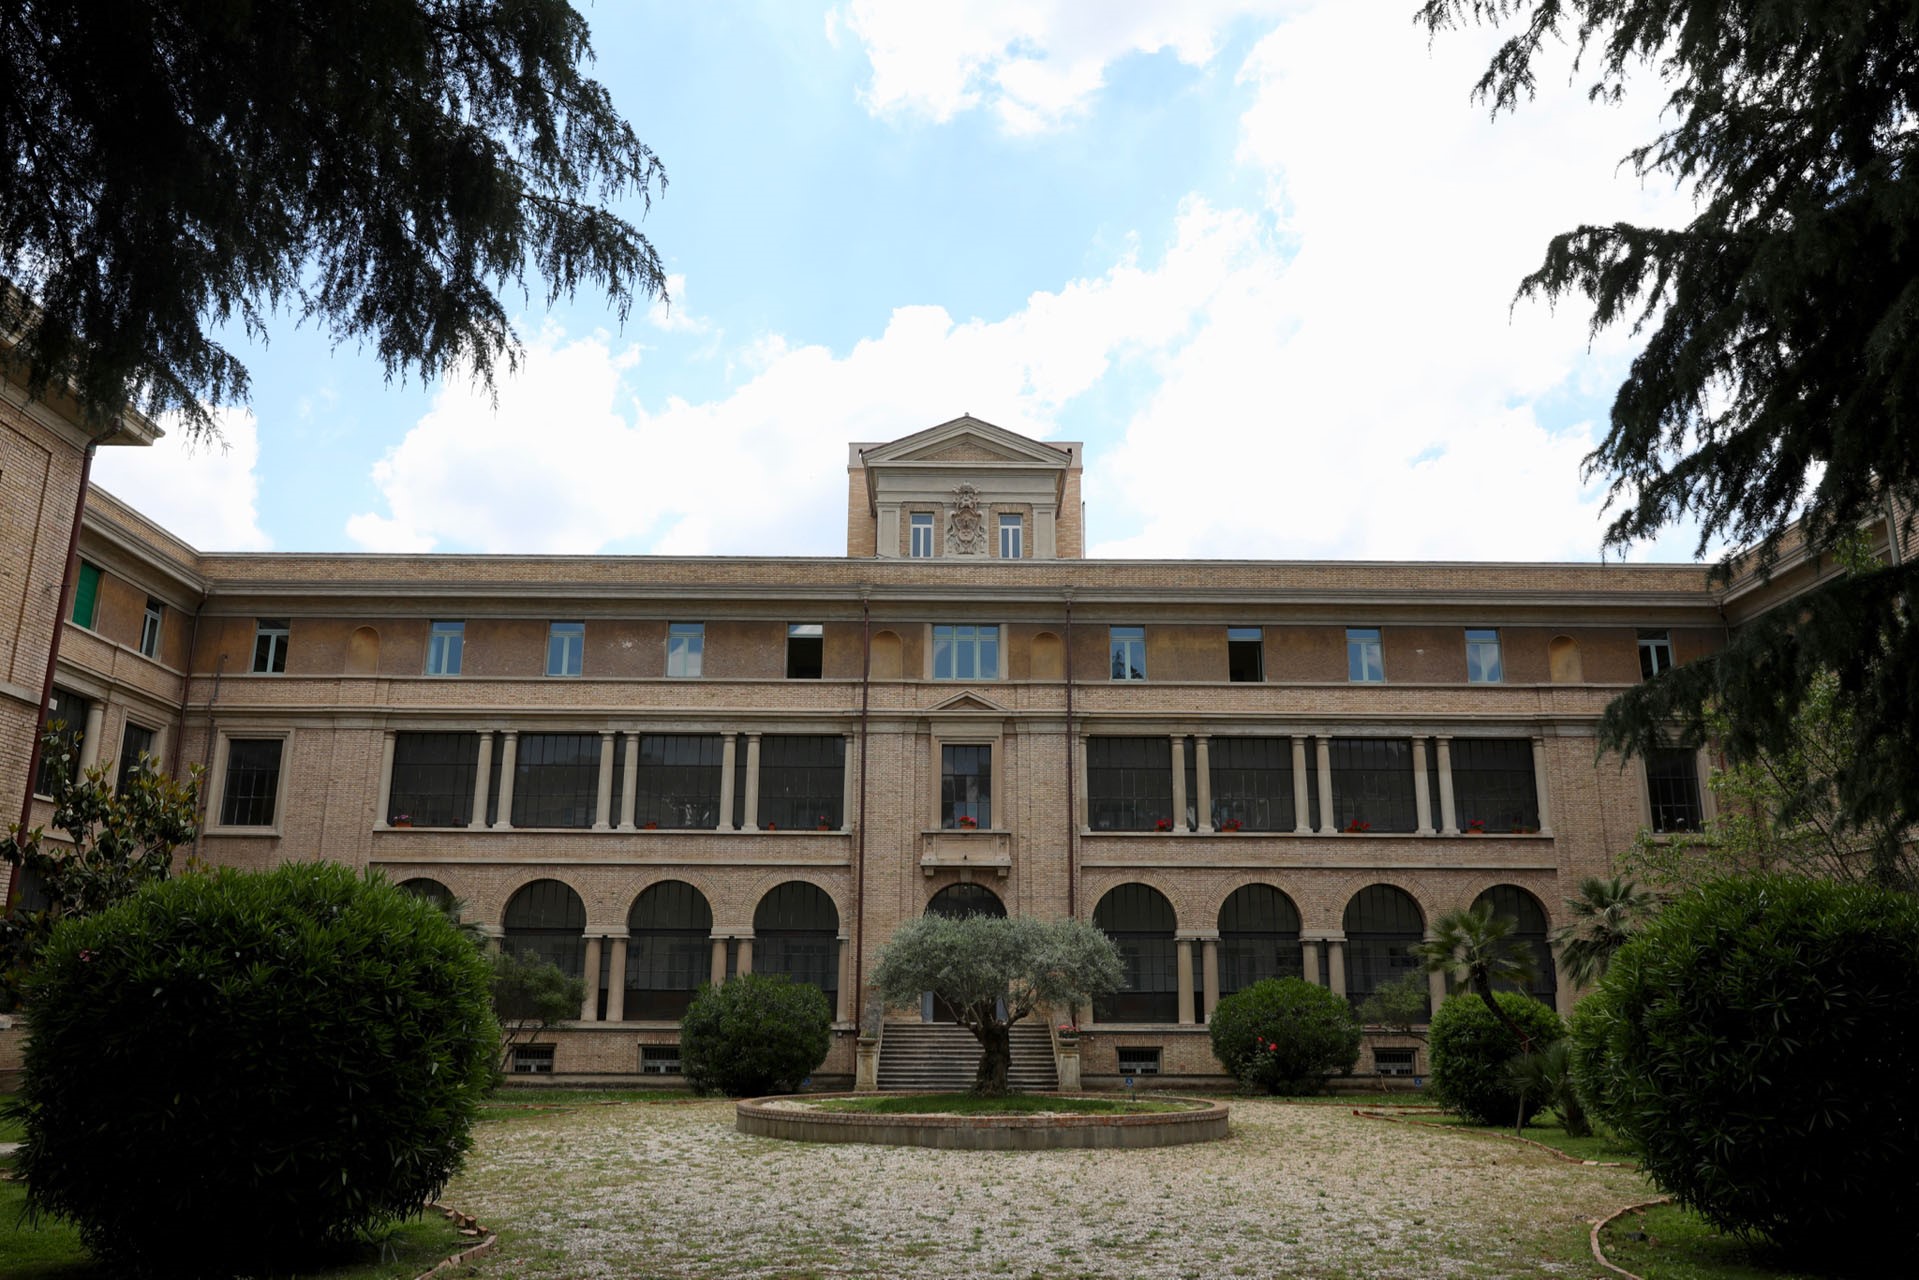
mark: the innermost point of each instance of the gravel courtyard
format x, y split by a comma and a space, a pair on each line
670, 1190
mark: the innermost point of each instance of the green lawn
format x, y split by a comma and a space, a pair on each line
1601, 1145
547, 1096
1018, 1104
1670, 1243
10, 1130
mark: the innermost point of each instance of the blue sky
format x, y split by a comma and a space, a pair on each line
1259, 255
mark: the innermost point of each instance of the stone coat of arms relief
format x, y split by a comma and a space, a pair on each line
965, 526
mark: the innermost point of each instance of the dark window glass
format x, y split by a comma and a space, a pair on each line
1253, 783
150, 626
86, 594
1245, 655
252, 782
1383, 928
796, 932
67, 721
678, 782
1493, 784
1373, 784
668, 952
270, 646
431, 890
547, 919
1258, 938
433, 778
1129, 783
1140, 922
1655, 653
1672, 784
802, 781
957, 901
1529, 931
136, 753
805, 651
555, 779
565, 648
966, 786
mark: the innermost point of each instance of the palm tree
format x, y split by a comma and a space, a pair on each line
1605, 915
1475, 948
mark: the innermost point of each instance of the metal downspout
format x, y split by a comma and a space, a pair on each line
1072, 776
859, 840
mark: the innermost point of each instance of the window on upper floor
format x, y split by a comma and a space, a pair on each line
1373, 784
556, 778
86, 594
966, 786
445, 648
920, 535
1129, 783
1493, 784
1012, 537
964, 651
1672, 787
1252, 783
1365, 663
136, 753
1126, 647
250, 791
565, 648
270, 646
805, 650
802, 781
685, 648
1655, 653
67, 720
1245, 655
150, 628
677, 783
433, 778
1482, 657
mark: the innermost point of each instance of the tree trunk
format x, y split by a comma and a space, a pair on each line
1483, 988
996, 1056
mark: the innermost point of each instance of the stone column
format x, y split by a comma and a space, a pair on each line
495, 937
603, 797
629, 781
1179, 782
385, 801
1336, 965
1209, 975
1309, 960
752, 784
1185, 945
590, 1007
843, 1005
1325, 754
729, 763
1544, 792
482, 781
1448, 820
616, 980
1085, 801
509, 761
717, 973
849, 799
1203, 769
746, 955
1302, 798
1422, 790
1436, 989
90, 739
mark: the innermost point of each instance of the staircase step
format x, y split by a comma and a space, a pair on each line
944, 1056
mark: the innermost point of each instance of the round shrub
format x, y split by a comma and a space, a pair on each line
754, 1034
1471, 1051
237, 1066
1759, 1044
1285, 1035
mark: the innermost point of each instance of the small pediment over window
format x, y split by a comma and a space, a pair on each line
969, 702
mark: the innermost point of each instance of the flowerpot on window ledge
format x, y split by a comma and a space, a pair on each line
401, 821
1357, 828
1231, 826
1163, 826
650, 826
967, 824
1475, 828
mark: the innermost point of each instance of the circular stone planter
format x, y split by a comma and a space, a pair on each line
780, 1117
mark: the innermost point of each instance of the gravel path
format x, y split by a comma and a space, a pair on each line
670, 1190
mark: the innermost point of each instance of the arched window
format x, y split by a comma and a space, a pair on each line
1258, 938
430, 889
669, 950
1383, 926
547, 919
1140, 922
1529, 929
957, 900
796, 932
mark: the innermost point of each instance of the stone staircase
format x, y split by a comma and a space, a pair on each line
941, 1057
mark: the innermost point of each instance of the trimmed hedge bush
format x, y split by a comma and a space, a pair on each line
1759, 1044
754, 1034
1285, 1035
235, 1068
1471, 1051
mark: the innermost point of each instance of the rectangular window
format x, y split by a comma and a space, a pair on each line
1364, 663
270, 646
1129, 783
660, 1059
1493, 785
805, 650
1012, 537
433, 778
802, 781
67, 721
1393, 1062
965, 652
556, 779
252, 782
1245, 655
1672, 784
1127, 647
677, 785
1482, 658
86, 594
136, 753
444, 648
920, 528
532, 1059
685, 648
1139, 1062
1253, 783
1373, 784
565, 648
1655, 653
966, 787
150, 628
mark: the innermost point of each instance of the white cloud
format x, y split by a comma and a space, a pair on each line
205, 492
675, 317
1035, 63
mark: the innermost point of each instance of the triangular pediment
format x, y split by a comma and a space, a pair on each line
968, 702
968, 440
